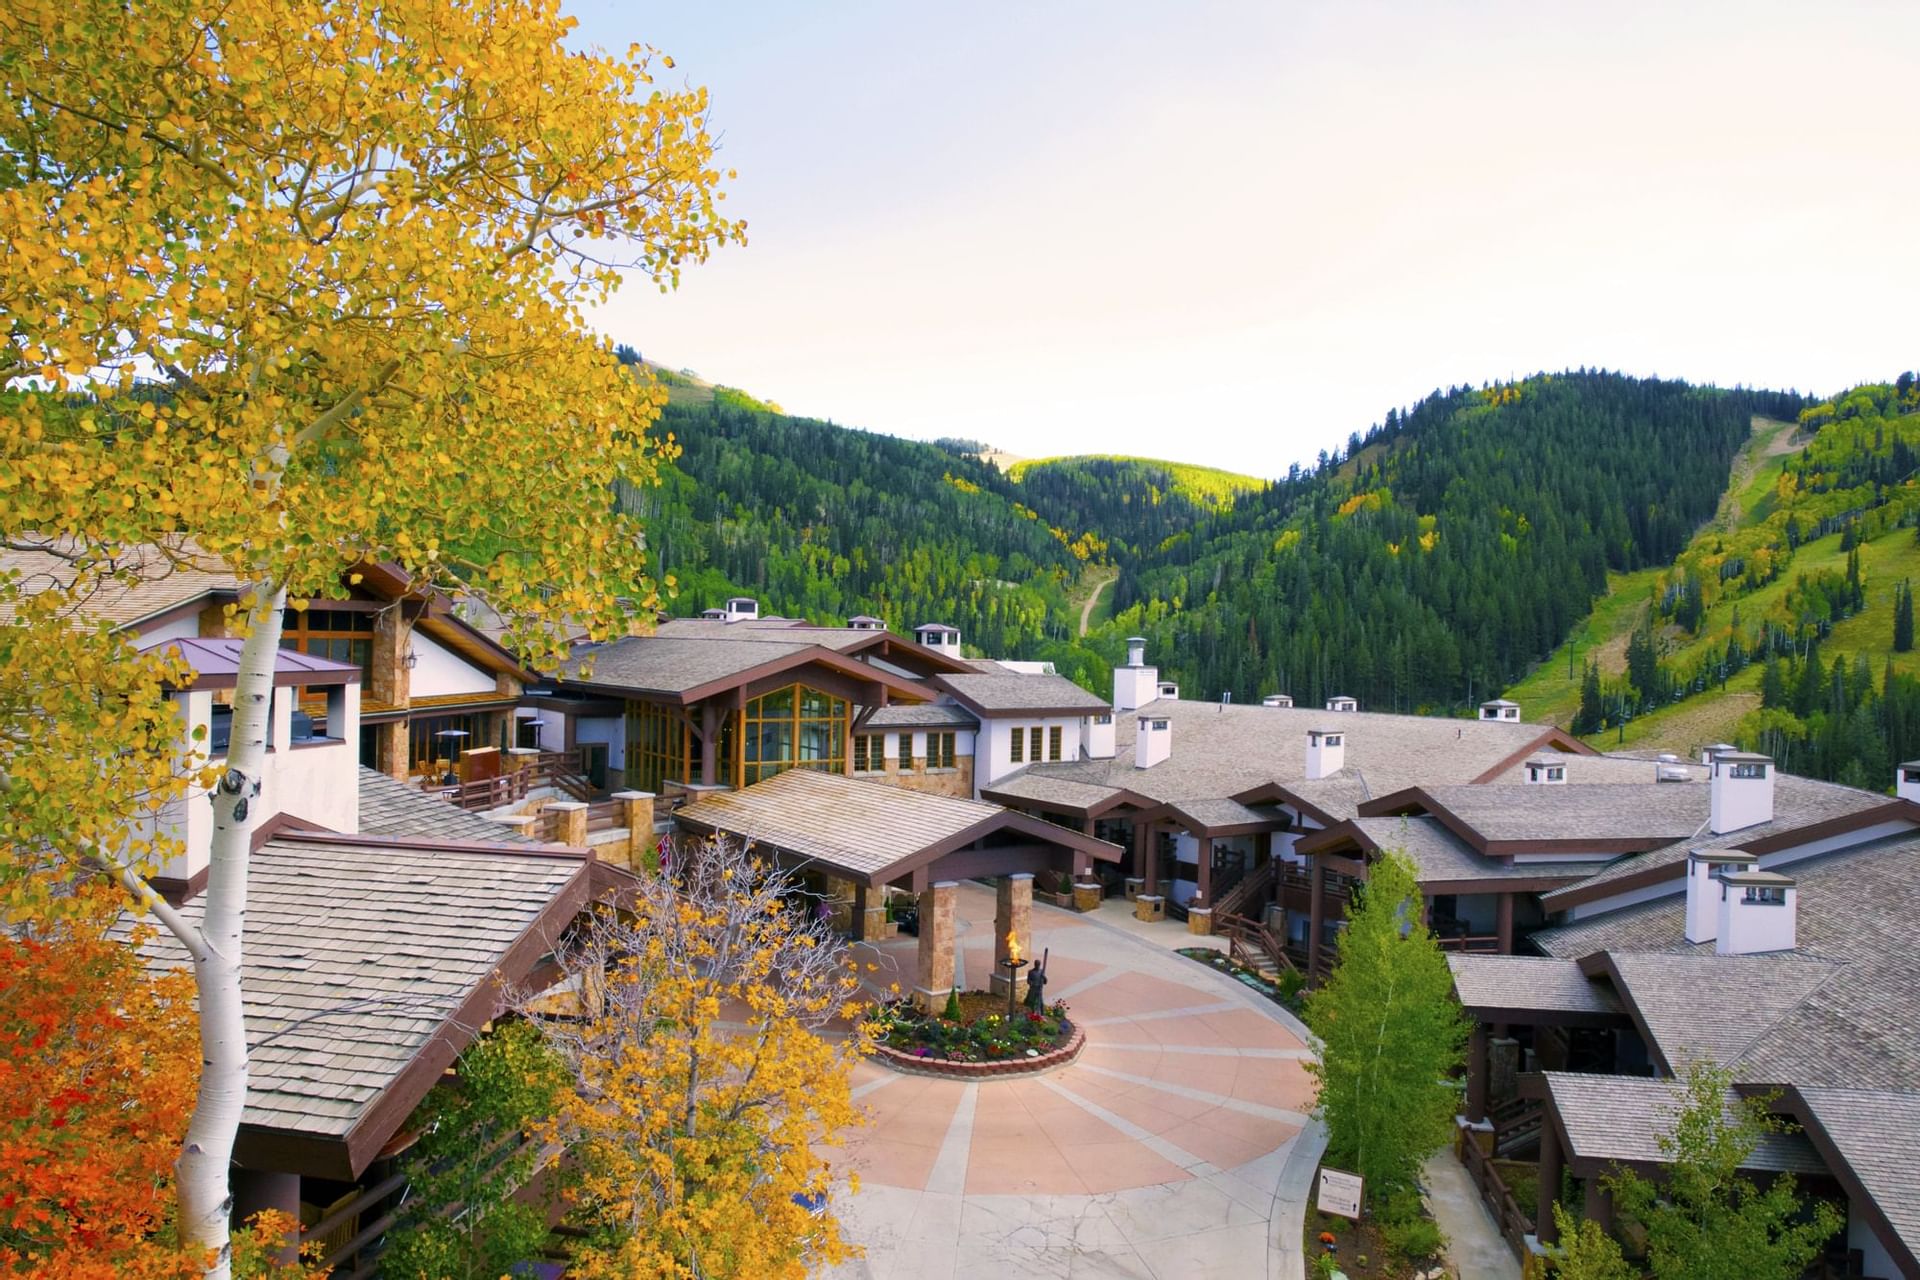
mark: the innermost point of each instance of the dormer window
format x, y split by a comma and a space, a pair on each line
1556, 773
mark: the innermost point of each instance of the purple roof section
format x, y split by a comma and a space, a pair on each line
215, 661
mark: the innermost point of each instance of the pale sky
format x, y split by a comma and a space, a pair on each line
1232, 233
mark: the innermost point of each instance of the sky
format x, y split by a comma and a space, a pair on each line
1233, 233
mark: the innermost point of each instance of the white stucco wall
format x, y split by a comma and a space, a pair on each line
997, 760
178, 629
441, 671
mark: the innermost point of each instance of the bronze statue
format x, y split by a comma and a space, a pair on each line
1037, 984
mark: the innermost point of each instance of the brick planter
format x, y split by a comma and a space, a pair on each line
912, 1064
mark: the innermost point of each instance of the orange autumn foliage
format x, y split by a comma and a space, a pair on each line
98, 1066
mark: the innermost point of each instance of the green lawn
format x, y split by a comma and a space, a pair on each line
1549, 693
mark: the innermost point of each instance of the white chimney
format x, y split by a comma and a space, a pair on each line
1341, 702
938, 637
1703, 888
1712, 749
1100, 736
1169, 690
866, 622
1277, 700
1499, 709
1326, 752
1136, 684
1546, 771
1740, 792
1757, 910
742, 609
1906, 780
1153, 743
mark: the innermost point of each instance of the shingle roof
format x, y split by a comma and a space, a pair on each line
1044, 788
161, 579
1578, 811
1226, 750
1797, 802
389, 807
666, 664
1528, 982
1613, 768
857, 826
1855, 906
1876, 1133
766, 631
1712, 1006
1623, 1118
925, 715
1439, 855
357, 954
1008, 692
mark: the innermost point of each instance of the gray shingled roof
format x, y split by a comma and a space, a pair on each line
1225, 750
663, 664
1712, 1006
157, 581
1797, 802
1611, 769
1578, 811
1623, 1118
1439, 855
389, 807
1855, 906
357, 954
1048, 789
1528, 982
1877, 1133
923, 715
767, 631
1013, 693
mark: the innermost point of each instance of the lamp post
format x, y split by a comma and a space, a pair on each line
1015, 963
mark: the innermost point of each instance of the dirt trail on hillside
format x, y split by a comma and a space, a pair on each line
1093, 598
1749, 460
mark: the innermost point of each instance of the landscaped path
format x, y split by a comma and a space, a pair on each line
1175, 1147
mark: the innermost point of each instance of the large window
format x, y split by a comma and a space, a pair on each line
1033, 744
436, 741
1018, 741
344, 635
1054, 735
793, 728
656, 746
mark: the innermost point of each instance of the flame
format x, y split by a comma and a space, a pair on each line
1013, 948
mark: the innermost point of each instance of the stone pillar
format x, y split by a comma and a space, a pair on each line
1012, 913
934, 973
389, 679
1134, 887
1200, 920
1477, 1073
1086, 895
524, 823
1551, 1164
1503, 1069
869, 913
1149, 907
519, 758
573, 821
1504, 923
636, 809
255, 1190
390, 749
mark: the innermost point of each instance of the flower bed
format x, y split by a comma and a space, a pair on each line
974, 1036
1285, 993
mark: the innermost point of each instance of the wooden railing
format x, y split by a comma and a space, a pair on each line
1251, 889
557, 769
1515, 1224
1470, 944
1249, 941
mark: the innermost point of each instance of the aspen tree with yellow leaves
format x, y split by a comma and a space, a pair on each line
305, 283
703, 1089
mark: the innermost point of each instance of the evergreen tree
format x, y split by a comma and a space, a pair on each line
1592, 716
1903, 618
1704, 1221
1392, 1034
1773, 685
1643, 662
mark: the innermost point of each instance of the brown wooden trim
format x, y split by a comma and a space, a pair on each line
1553, 738
176, 890
1496, 1016
1277, 793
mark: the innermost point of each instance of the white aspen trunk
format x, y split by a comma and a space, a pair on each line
204, 1167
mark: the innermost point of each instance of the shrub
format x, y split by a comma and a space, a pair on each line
1413, 1239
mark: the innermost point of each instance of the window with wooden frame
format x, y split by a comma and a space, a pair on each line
1054, 736
793, 728
940, 750
1033, 743
436, 741
869, 753
657, 746
344, 635
1018, 742
906, 753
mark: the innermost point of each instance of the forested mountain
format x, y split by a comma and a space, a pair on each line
1454, 547
1786, 624
1136, 503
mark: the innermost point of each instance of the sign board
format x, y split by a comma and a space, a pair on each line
1339, 1193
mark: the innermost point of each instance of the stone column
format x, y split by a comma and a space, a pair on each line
1200, 920
524, 823
869, 913
1086, 895
255, 1190
1503, 1069
636, 810
1551, 1164
1477, 1073
1012, 914
934, 974
573, 821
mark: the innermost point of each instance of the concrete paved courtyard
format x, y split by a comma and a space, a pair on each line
1177, 1146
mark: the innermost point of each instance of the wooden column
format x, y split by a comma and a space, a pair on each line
1552, 1163
1477, 1073
1147, 854
1316, 914
1206, 870
710, 744
1504, 927
256, 1190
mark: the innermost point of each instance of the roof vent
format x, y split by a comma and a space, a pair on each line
1672, 773
1667, 757
742, 608
939, 637
1546, 770
1341, 702
1136, 684
1708, 752
1136, 651
1168, 689
1757, 910
1153, 743
1703, 888
1326, 753
1499, 709
1906, 781
866, 622
1740, 791
1277, 700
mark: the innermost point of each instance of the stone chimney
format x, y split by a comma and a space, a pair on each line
1757, 910
1153, 743
1136, 684
1703, 888
1341, 702
1740, 791
1326, 752
1499, 709
1100, 735
1906, 781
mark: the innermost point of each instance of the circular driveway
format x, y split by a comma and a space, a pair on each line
1176, 1146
